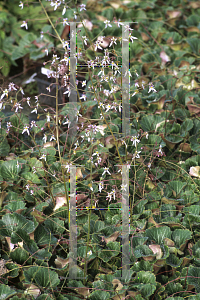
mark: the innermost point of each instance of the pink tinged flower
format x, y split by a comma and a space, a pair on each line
17, 106
136, 84
107, 22
24, 24
127, 28
41, 34
65, 21
83, 97
9, 125
26, 130
151, 88
82, 6
11, 87
119, 23
33, 124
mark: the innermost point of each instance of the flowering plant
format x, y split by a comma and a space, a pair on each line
101, 165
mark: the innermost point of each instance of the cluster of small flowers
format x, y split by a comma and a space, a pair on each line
104, 78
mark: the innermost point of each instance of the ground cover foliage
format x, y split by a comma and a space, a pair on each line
162, 151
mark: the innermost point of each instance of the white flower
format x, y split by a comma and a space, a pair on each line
127, 71
55, 58
45, 138
149, 165
67, 167
21, 5
33, 124
11, 87
9, 125
17, 165
64, 11
107, 22
136, 154
75, 16
160, 150
26, 130
127, 28
65, 21
85, 40
83, 97
52, 138
89, 252
151, 88
5, 92
123, 187
106, 170
119, 23
43, 157
132, 37
101, 186
97, 45
48, 118
35, 110
82, 6
17, 106
46, 51
83, 83
24, 24
113, 40
135, 140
